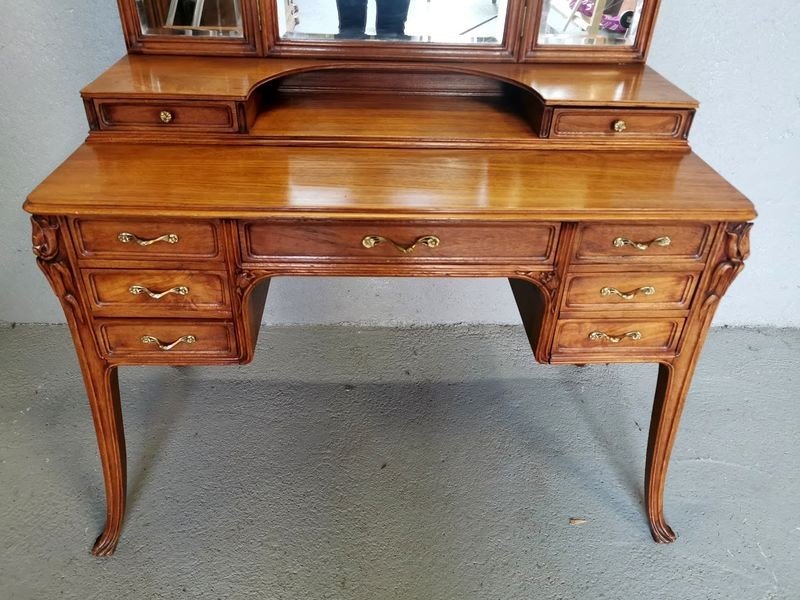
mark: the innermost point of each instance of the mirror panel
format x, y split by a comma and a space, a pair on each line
194, 18
471, 22
589, 22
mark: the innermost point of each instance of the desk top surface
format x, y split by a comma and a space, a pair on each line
103, 179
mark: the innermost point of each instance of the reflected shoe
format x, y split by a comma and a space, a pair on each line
619, 24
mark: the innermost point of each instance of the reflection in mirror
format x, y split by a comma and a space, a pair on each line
219, 18
590, 22
436, 21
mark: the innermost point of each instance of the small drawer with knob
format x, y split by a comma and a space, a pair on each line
629, 291
622, 124
139, 239
166, 341
150, 292
678, 243
167, 115
606, 339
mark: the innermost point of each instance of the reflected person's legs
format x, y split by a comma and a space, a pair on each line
352, 17
391, 19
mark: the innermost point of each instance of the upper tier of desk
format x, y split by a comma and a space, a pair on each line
258, 182
630, 85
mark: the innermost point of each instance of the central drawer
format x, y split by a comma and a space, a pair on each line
426, 241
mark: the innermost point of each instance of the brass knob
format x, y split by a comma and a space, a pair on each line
600, 336
619, 126
166, 116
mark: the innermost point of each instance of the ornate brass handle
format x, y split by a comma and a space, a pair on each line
186, 339
647, 290
619, 126
598, 336
137, 290
127, 238
166, 116
431, 241
662, 241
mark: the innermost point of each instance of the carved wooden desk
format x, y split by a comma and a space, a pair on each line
149, 274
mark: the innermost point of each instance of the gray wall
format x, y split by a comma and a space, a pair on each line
744, 68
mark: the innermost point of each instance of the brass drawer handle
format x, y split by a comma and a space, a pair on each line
138, 290
127, 238
619, 125
662, 241
647, 290
431, 241
598, 336
186, 339
166, 116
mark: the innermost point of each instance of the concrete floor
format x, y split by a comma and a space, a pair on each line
430, 463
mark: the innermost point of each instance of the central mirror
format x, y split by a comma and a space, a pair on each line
430, 21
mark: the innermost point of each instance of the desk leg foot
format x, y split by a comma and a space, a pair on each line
673, 384
103, 390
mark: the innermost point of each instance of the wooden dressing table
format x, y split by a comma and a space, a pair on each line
560, 164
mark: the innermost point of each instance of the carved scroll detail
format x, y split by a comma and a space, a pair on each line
736, 249
550, 281
50, 258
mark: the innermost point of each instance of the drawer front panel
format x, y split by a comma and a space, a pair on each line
616, 337
641, 243
421, 241
166, 341
167, 116
630, 291
621, 124
157, 293
151, 240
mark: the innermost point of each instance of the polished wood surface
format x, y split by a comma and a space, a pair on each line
236, 78
108, 179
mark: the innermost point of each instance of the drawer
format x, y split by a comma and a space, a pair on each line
426, 241
629, 291
642, 243
165, 115
622, 124
142, 292
608, 338
136, 239
167, 341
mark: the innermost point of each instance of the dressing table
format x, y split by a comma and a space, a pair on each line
241, 140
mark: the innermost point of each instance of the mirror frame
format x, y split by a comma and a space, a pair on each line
138, 42
506, 51
536, 52
261, 38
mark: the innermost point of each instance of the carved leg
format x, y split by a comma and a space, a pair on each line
675, 377
99, 377
102, 388
673, 384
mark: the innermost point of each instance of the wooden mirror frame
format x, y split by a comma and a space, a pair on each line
506, 51
138, 42
536, 52
261, 38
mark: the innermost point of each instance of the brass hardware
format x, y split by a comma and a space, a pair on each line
186, 339
127, 238
166, 116
647, 290
137, 290
597, 336
431, 241
620, 126
662, 241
